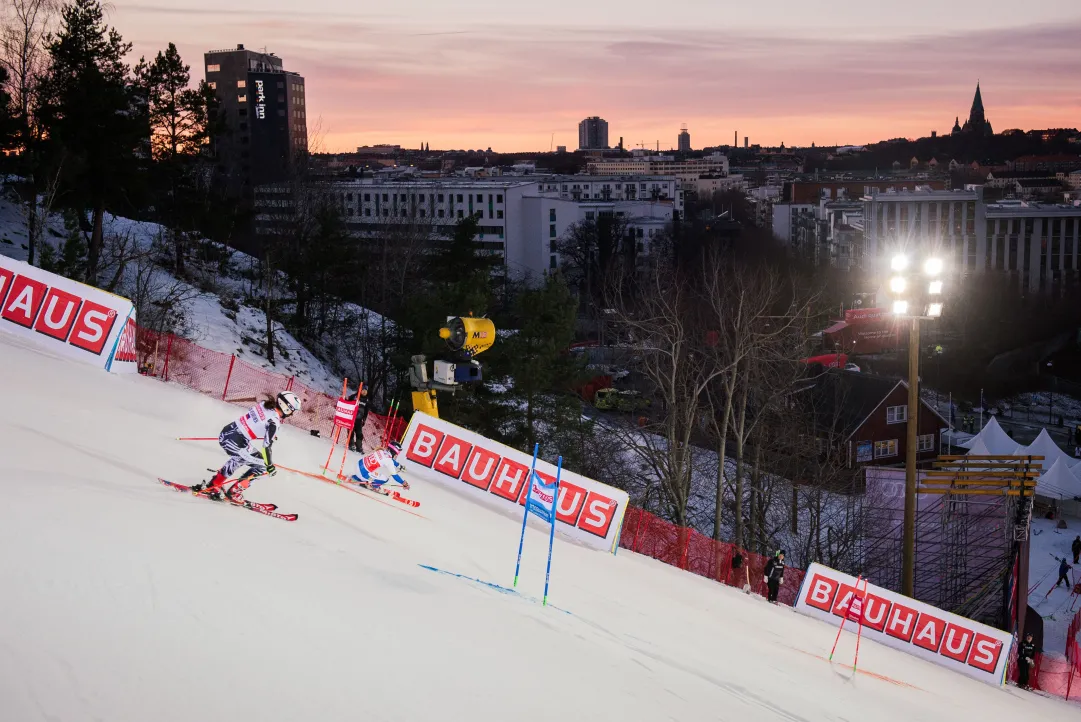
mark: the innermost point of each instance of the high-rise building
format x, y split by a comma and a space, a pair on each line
593, 134
263, 113
684, 140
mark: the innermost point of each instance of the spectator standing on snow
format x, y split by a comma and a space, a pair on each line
356, 438
1026, 659
774, 576
1063, 573
737, 565
1076, 549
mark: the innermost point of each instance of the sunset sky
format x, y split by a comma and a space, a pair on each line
509, 75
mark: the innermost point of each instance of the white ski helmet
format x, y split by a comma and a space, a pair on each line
288, 403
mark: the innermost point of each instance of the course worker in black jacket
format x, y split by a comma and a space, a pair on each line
774, 576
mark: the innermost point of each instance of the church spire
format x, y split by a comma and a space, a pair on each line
977, 106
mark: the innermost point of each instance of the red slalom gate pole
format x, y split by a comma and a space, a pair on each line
225, 391
843, 620
859, 631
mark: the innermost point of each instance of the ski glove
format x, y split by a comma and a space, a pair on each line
765, 580
271, 470
782, 580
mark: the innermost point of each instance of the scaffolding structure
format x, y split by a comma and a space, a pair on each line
972, 520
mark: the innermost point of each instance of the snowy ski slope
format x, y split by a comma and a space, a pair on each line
123, 600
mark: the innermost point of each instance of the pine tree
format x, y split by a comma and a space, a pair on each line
537, 354
179, 125
91, 114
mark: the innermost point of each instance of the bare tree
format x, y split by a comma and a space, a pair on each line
22, 52
755, 316
663, 317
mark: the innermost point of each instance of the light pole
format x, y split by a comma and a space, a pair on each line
916, 290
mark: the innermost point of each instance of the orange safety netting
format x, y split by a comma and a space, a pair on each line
694, 552
226, 377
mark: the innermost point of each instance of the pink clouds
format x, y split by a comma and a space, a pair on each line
512, 87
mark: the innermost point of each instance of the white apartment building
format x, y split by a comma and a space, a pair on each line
519, 220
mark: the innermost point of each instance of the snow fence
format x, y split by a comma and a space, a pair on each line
229, 378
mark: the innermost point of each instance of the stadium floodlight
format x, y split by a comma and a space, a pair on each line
899, 262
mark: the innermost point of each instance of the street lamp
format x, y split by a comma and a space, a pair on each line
915, 288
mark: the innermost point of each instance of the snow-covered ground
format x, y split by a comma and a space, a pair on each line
1058, 605
123, 600
208, 323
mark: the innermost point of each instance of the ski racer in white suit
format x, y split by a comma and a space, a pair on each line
379, 467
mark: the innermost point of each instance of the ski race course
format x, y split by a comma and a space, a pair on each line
124, 600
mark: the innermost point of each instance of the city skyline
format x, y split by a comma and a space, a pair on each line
480, 74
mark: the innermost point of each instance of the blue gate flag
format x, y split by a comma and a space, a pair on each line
542, 498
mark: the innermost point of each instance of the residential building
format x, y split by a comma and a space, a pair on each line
520, 219
593, 134
689, 169
264, 114
866, 416
1046, 163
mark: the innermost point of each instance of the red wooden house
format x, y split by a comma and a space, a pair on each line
868, 416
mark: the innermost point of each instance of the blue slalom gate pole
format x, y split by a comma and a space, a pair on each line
525, 514
552, 532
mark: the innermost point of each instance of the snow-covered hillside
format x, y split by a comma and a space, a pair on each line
123, 600
236, 329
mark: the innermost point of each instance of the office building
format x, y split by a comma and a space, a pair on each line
593, 134
1035, 244
264, 113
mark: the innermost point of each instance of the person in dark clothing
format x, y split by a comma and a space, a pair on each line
737, 565
1076, 548
774, 576
356, 438
1026, 659
1063, 573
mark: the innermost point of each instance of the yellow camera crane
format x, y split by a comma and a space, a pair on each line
466, 337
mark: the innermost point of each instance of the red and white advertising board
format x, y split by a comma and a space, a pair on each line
69, 318
588, 511
946, 639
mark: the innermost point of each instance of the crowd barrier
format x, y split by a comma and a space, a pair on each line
224, 376
687, 549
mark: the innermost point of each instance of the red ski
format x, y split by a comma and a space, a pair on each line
389, 493
265, 509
